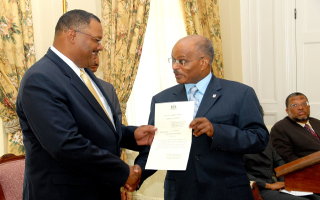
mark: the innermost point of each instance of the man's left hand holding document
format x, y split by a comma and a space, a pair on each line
172, 142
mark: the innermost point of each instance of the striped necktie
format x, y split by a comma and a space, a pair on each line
193, 97
310, 130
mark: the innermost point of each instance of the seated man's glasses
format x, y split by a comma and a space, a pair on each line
296, 105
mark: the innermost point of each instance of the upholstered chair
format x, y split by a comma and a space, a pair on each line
11, 176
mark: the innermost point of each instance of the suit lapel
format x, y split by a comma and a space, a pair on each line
80, 86
97, 82
210, 96
316, 128
315, 125
179, 94
303, 131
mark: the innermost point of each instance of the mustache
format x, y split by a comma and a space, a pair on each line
301, 119
176, 72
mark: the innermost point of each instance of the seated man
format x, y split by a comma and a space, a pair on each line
298, 134
260, 168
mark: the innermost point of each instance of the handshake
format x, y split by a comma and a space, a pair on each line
132, 182
144, 136
133, 179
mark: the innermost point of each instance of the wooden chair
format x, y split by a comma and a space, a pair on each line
255, 191
11, 176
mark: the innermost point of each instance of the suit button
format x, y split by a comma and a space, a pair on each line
197, 157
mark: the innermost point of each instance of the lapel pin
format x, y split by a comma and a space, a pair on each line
214, 96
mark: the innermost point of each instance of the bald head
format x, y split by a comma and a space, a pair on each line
192, 59
200, 44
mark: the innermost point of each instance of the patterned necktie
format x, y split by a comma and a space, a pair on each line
193, 97
89, 85
309, 129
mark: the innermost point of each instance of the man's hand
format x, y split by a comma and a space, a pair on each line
200, 126
274, 186
133, 179
144, 134
125, 195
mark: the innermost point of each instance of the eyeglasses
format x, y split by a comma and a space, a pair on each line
182, 62
97, 40
296, 105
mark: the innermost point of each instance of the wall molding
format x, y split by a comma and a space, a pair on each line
268, 52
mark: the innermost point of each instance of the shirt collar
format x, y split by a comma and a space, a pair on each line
201, 85
302, 124
69, 62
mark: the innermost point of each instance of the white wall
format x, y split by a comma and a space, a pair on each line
272, 43
267, 53
46, 14
231, 39
308, 48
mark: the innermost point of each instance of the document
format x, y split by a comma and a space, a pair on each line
296, 193
172, 142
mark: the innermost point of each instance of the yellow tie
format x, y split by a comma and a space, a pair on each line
89, 85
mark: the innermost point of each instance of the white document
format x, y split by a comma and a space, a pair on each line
296, 193
172, 142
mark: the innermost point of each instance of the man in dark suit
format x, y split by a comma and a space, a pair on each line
108, 89
228, 124
290, 136
72, 140
260, 168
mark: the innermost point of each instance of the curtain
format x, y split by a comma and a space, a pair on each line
202, 18
16, 55
124, 24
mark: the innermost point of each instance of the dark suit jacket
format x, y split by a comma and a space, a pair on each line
260, 166
72, 148
215, 167
112, 95
292, 141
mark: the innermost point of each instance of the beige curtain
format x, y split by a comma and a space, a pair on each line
16, 55
202, 18
124, 24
